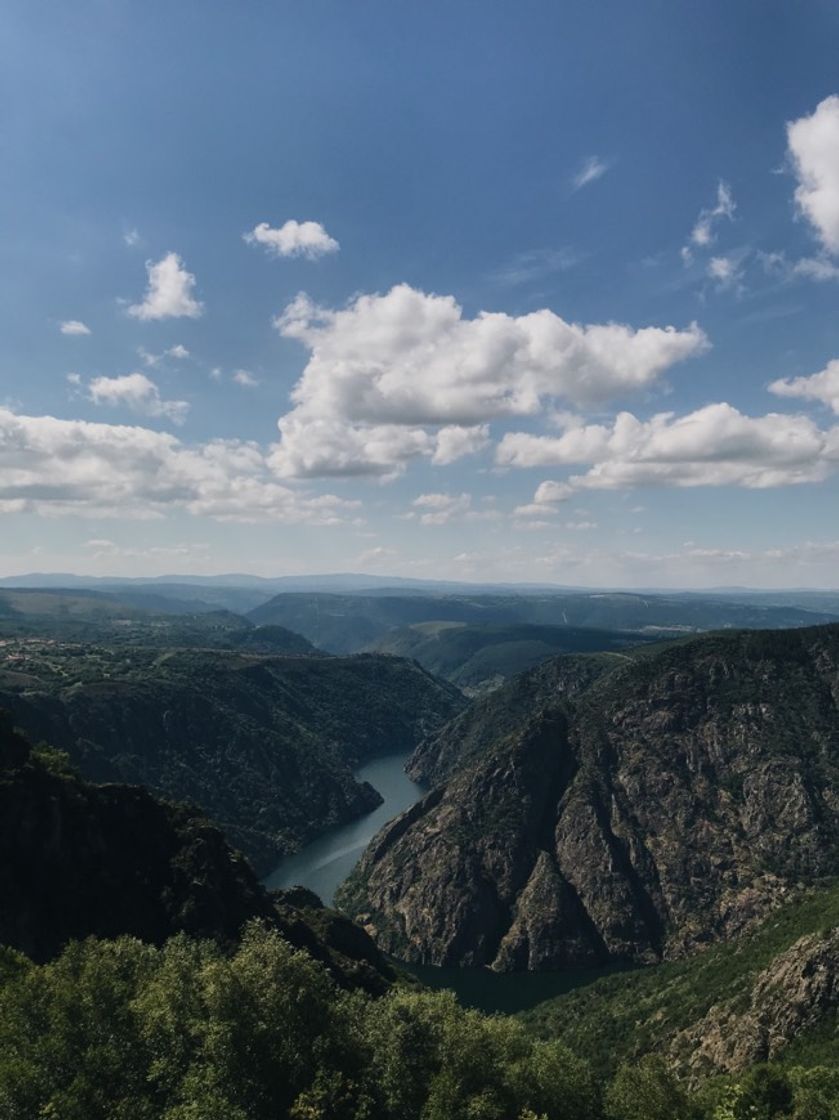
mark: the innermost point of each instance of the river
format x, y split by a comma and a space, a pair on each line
325, 863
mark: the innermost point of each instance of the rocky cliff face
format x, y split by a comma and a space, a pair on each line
266, 746
797, 992
672, 802
78, 860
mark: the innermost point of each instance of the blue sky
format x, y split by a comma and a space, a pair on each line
554, 285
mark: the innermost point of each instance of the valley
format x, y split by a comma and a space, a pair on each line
623, 841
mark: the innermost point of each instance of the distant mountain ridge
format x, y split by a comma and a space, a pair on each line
347, 623
478, 658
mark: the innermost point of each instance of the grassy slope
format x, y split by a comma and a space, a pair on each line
627, 1014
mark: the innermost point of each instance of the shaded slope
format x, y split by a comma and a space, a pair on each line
351, 622
672, 803
265, 745
479, 657
78, 860
717, 1011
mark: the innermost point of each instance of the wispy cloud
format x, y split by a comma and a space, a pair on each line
592, 169
535, 264
704, 232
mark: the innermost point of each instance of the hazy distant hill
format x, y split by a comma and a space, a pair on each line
348, 623
98, 616
479, 657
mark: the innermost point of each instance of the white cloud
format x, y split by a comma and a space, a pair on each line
823, 386
713, 446
814, 148
131, 237
294, 239
385, 369
178, 352
169, 294
74, 327
548, 496
137, 392
819, 268
725, 271
704, 232
591, 169
74, 378
245, 379
378, 555
456, 441
55, 467
441, 508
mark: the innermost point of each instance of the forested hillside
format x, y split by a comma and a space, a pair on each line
351, 622
266, 746
478, 658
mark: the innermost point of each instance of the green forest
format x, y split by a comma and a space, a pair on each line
121, 1030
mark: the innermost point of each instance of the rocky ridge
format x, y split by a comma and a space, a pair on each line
672, 802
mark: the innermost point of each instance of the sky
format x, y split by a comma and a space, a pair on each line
529, 290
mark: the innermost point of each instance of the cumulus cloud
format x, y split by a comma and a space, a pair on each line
294, 239
822, 387
245, 379
74, 327
137, 392
387, 368
438, 509
169, 294
548, 496
713, 446
456, 441
590, 170
55, 467
814, 149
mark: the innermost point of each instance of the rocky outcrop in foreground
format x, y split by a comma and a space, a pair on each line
797, 992
673, 802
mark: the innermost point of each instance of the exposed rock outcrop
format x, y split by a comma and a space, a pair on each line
672, 802
794, 994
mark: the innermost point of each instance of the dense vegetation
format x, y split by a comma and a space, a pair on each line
351, 622
624, 1016
135, 619
266, 746
78, 859
161, 982
480, 657
124, 1031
